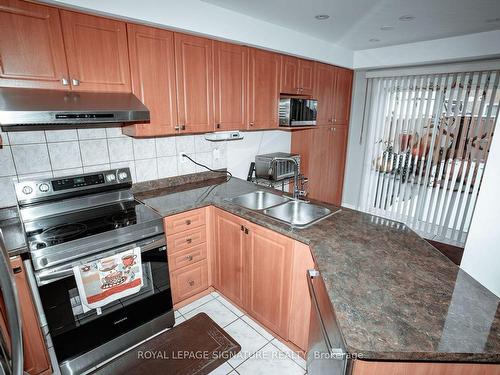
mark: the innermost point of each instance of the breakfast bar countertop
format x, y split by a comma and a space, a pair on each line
395, 296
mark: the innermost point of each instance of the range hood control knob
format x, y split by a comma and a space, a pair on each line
122, 175
43, 188
27, 190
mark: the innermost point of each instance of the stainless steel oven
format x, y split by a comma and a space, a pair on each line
83, 339
297, 112
75, 220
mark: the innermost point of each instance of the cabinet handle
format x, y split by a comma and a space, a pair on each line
177, 128
189, 257
189, 240
188, 222
191, 283
246, 230
64, 81
75, 82
242, 228
217, 126
252, 123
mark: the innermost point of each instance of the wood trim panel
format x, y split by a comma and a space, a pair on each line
97, 52
300, 302
423, 368
31, 46
152, 68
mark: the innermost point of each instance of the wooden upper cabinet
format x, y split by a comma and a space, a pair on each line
324, 87
230, 86
194, 75
152, 67
327, 163
342, 96
264, 87
31, 46
289, 75
97, 53
306, 77
269, 265
297, 76
229, 241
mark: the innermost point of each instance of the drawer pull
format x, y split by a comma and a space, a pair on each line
189, 240
191, 283
189, 257
188, 222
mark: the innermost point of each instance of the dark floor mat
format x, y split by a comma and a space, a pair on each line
196, 346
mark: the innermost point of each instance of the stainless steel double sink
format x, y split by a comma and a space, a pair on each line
299, 214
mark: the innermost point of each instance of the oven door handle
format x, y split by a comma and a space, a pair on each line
47, 275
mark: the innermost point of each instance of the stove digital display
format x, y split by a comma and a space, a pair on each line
76, 182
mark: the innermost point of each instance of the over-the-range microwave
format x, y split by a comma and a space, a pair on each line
297, 112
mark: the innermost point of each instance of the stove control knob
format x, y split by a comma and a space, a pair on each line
122, 175
110, 177
43, 188
27, 190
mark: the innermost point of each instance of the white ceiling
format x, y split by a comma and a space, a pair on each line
353, 23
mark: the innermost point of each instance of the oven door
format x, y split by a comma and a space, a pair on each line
82, 340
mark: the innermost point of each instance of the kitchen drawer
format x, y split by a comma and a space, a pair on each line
186, 239
188, 256
188, 281
185, 220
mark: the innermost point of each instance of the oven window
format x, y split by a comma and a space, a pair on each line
74, 332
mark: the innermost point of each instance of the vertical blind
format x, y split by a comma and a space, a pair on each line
428, 140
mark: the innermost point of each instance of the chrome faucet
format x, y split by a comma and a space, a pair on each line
297, 193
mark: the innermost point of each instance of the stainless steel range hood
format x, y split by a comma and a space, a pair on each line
34, 108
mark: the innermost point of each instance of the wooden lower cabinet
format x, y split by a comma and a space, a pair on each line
229, 242
189, 280
188, 253
36, 357
264, 273
268, 277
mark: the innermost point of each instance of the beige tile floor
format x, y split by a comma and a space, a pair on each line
261, 352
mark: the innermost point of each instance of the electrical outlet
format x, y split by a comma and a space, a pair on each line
216, 154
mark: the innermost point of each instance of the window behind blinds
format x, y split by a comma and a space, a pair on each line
428, 140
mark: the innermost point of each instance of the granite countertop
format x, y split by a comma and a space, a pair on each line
395, 296
12, 232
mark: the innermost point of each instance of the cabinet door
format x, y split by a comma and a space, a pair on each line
342, 96
230, 86
324, 86
289, 75
152, 67
229, 255
97, 53
326, 164
268, 269
264, 82
31, 46
193, 57
306, 77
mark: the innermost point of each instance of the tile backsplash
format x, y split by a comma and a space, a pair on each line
55, 153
